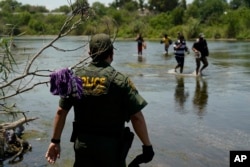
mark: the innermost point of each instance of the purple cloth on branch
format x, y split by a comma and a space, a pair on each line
64, 83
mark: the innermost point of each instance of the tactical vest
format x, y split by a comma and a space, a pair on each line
96, 112
96, 83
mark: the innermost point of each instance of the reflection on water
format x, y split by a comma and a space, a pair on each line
181, 94
200, 98
176, 104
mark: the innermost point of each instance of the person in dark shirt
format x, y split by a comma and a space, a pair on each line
200, 49
140, 44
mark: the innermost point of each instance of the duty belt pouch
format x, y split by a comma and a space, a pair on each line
74, 132
128, 138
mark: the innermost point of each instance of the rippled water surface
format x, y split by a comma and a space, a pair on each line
192, 121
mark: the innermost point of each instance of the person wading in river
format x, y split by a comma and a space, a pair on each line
108, 100
180, 48
167, 42
201, 52
141, 44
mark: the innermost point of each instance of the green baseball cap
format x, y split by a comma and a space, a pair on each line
100, 43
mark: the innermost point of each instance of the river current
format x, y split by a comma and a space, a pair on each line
192, 121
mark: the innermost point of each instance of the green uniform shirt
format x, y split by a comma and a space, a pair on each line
114, 101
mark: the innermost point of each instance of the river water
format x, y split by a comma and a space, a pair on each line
192, 121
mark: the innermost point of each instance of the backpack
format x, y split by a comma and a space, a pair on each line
205, 50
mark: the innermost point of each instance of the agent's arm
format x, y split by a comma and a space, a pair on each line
54, 148
140, 127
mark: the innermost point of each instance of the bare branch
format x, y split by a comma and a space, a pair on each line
24, 90
11, 86
12, 125
68, 50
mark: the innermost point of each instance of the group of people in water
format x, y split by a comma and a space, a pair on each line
180, 47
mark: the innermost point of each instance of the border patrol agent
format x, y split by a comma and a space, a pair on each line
109, 100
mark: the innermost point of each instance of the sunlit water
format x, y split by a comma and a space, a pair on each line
192, 121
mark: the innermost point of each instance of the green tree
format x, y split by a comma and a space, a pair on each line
23, 18
178, 16
131, 6
161, 22
232, 21
78, 5
163, 6
33, 9
125, 4
9, 5
193, 11
247, 2
36, 26
116, 15
235, 4
183, 4
66, 9
141, 4
52, 24
99, 8
121, 3
210, 8
244, 14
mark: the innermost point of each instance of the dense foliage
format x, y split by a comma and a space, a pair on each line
215, 18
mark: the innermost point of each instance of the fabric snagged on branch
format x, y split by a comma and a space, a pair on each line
64, 83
